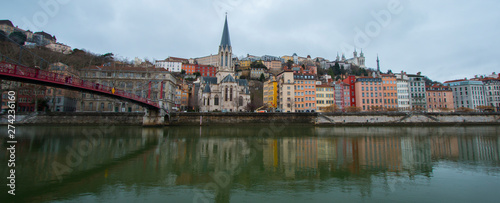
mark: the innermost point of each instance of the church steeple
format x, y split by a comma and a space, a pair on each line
225, 41
225, 55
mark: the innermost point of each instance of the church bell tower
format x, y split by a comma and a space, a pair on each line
225, 55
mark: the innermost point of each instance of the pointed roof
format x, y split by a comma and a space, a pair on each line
225, 41
207, 89
228, 78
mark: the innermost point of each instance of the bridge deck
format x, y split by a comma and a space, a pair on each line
9, 71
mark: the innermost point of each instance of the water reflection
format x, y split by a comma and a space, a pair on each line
212, 163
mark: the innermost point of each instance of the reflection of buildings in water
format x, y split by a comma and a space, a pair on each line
221, 154
270, 154
416, 153
326, 149
380, 153
444, 147
299, 156
288, 156
478, 148
307, 155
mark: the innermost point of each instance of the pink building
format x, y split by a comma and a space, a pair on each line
439, 98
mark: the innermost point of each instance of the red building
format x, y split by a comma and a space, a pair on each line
204, 70
351, 81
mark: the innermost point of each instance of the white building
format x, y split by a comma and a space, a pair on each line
403, 92
492, 93
172, 66
467, 93
59, 47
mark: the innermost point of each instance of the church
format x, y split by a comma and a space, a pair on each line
224, 92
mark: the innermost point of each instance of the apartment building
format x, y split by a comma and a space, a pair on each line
156, 84
325, 97
369, 93
305, 92
467, 93
286, 91
439, 98
403, 93
271, 92
389, 85
416, 87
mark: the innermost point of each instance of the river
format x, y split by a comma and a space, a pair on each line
261, 163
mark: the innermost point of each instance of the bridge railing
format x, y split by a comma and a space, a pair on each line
43, 75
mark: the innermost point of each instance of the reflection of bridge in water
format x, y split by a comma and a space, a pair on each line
190, 156
59, 163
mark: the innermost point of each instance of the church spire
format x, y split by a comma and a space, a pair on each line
225, 41
378, 65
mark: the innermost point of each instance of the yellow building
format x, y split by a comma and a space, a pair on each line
287, 58
245, 63
271, 92
325, 98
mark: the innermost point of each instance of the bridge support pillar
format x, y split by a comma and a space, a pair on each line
154, 117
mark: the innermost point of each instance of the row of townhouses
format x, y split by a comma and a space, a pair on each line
299, 92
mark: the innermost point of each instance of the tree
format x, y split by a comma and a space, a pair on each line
289, 63
262, 77
18, 37
464, 109
250, 107
258, 64
353, 109
376, 108
198, 74
183, 71
392, 109
3, 36
485, 108
332, 108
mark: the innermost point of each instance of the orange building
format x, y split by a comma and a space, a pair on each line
189, 68
389, 86
439, 98
305, 92
369, 93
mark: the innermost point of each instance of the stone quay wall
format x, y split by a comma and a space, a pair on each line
238, 118
189, 119
358, 119
81, 118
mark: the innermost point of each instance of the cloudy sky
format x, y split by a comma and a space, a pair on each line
445, 40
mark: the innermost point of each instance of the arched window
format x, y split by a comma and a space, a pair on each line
226, 95
231, 94
216, 100
240, 101
208, 101
221, 60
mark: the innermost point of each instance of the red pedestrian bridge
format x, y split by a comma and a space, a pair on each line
14, 72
